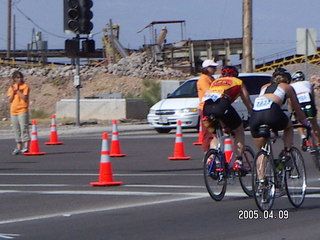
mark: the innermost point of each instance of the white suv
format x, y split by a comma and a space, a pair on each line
183, 104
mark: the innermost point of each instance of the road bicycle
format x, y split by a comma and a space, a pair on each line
274, 177
218, 167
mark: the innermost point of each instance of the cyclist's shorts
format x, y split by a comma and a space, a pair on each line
274, 117
223, 110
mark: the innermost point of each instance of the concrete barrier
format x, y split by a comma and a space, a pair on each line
103, 109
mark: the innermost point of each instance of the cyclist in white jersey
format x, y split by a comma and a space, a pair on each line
305, 95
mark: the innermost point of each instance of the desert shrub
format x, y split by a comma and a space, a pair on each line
38, 114
151, 92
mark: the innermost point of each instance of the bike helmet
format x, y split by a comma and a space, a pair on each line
229, 71
283, 72
298, 76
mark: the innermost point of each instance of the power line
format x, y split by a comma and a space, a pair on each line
38, 26
29, 19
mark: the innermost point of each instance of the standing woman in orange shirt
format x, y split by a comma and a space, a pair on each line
209, 67
18, 94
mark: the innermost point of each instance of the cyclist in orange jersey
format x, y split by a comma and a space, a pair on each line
222, 93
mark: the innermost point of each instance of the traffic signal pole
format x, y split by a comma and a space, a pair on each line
77, 84
77, 20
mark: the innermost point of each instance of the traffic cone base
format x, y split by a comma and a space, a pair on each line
118, 155
53, 143
179, 158
34, 153
105, 183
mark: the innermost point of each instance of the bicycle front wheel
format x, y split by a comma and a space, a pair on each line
263, 181
214, 175
245, 177
296, 179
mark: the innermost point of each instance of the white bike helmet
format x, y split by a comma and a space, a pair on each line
298, 76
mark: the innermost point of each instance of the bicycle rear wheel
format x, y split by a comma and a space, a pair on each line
296, 179
264, 191
214, 174
245, 177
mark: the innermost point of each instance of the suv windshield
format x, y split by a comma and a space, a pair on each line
254, 83
186, 90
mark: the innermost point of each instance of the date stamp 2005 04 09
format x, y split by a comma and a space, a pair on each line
256, 214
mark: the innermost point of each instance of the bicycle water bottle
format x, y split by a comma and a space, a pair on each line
228, 149
308, 110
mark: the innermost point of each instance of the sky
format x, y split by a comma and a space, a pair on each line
274, 21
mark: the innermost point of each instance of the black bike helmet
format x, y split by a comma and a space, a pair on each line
298, 76
283, 72
229, 71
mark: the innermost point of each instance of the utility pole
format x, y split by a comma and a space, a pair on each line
14, 37
247, 64
9, 30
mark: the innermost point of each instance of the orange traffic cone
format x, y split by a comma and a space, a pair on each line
53, 133
34, 143
200, 136
105, 176
228, 149
115, 143
179, 146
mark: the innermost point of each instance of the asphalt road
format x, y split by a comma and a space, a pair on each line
49, 196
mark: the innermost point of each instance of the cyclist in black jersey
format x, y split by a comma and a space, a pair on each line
268, 110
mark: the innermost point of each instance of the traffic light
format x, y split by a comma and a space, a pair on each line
86, 15
88, 46
72, 47
77, 16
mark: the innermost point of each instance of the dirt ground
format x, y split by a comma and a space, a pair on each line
46, 92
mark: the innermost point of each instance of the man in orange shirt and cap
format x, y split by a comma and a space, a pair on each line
209, 67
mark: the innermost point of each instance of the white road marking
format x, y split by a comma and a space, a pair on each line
8, 235
86, 211
174, 197
34, 185
114, 193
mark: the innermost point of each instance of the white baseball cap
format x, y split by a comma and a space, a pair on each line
209, 63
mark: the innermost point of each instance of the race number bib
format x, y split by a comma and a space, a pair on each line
213, 96
303, 97
262, 103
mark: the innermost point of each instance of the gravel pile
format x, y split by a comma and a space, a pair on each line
139, 65
135, 65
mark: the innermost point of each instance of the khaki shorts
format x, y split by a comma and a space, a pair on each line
20, 125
